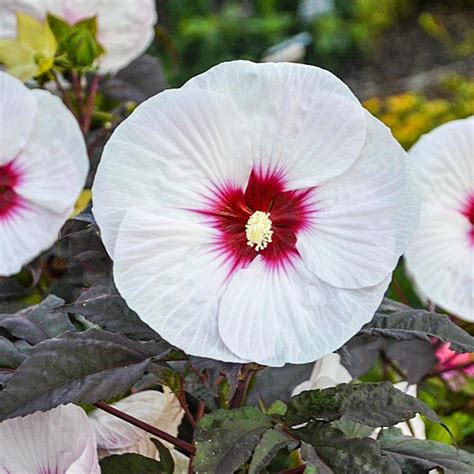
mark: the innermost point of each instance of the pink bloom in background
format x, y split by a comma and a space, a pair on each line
441, 257
43, 168
125, 27
451, 364
256, 213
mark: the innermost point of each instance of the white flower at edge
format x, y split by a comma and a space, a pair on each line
115, 436
125, 27
60, 440
440, 258
256, 213
43, 168
329, 372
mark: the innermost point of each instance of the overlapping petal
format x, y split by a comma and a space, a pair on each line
443, 162
364, 217
61, 440
54, 163
173, 151
18, 111
291, 316
173, 279
302, 120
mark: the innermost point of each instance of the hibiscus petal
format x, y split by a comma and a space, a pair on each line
156, 408
441, 260
25, 234
124, 32
364, 218
173, 278
171, 151
303, 120
18, 111
290, 315
327, 372
443, 162
60, 440
54, 163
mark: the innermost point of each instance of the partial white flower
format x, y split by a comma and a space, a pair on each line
441, 256
60, 440
327, 372
43, 168
115, 436
416, 426
125, 27
255, 214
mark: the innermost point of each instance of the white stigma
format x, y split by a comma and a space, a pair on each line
259, 230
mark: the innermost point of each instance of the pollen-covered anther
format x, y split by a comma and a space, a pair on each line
259, 230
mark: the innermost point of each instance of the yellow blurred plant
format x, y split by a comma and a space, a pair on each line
32, 52
411, 114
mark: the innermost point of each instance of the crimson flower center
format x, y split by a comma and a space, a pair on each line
9, 199
468, 212
264, 219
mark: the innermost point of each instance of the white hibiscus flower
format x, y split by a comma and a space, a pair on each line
255, 214
441, 256
43, 168
125, 28
61, 440
115, 436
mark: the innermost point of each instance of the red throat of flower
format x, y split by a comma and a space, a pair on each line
264, 219
10, 201
468, 211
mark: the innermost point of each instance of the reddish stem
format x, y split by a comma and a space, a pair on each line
181, 396
89, 107
242, 385
77, 86
63, 93
200, 410
179, 443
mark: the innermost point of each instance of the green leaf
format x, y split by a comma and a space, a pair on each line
372, 404
77, 367
130, 463
82, 48
102, 305
59, 27
398, 321
39, 322
271, 442
314, 464
351, 428
344, 455
277, 408
89, 24
416, 455
166, 460
225, 439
